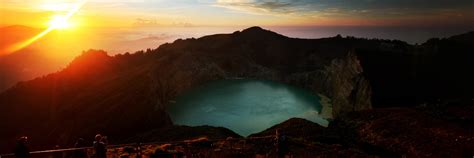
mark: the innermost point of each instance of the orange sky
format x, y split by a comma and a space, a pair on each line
110, 23
121, 13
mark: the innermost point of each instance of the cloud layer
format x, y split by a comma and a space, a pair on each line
363, 9
262, 12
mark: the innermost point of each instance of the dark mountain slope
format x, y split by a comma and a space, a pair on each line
96, 93
294, 127
405, 75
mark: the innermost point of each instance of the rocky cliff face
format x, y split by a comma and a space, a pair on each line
336, 74
342, 81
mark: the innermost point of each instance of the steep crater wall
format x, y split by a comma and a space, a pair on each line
335, 73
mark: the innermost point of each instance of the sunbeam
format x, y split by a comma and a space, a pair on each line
58, 22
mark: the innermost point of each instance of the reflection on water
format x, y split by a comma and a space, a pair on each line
245, 106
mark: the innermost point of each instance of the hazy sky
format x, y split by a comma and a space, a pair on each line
243, 12
129, 25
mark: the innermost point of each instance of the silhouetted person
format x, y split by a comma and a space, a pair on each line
100, 146
80, 143
104, 140
21, 149
280, 144
139, 150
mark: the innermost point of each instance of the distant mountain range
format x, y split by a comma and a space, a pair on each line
126, 95
42, 57
56, 49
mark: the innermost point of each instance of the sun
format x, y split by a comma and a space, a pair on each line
59, 22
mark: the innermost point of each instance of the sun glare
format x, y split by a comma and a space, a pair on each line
55, 6
59, 22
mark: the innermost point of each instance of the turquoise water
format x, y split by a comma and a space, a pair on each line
245, 106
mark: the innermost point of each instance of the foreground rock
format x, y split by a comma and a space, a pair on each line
414, 132
180, 133
444, 130
303, 139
